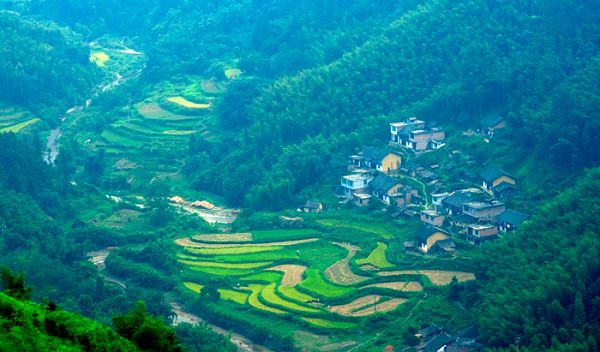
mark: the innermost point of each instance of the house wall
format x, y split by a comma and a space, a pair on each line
390, 163
438, 236
503, 179
435, 220
492, 231
484, 213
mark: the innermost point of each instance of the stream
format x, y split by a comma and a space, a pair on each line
52, 146
243, 343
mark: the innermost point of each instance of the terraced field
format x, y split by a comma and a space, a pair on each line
301, 276
15, 120
153, 135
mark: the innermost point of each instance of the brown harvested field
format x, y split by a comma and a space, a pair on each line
187, 242
410, 286
383, 307
340, 272
292, 274
357, 304
437, 277
224, 237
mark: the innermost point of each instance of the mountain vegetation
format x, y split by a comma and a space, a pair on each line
256, 105
43, 66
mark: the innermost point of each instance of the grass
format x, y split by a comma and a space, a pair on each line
233, 250
316, 283
321, 254
193, 286
377, 257
255, 302
226, 265
294, 294
99, 58
18, 127
235, 296
187, 104
323, 323
267, 276
269, 235
376, 228
269, 295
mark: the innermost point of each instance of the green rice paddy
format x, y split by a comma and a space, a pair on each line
316, 283
18, 127
377, 257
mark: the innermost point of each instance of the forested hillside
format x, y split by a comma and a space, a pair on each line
547, 293
445, 61
268, 37
208, 122
43, 66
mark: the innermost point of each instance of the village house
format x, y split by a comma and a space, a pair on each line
413, 135
478, 233
505, 190
436, 339
312, 207
510, 220
494, 176
492, 123
485, 210
425, 139
432, 217
453, 204
377, 159
429, 236
386, 189
399, 130
437, 198
355, 183
361, 199
411, 168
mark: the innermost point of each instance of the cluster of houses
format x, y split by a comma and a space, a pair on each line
478, 214
475, 213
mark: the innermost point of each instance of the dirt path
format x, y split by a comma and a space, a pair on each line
292, 274
437, 277
186, 242
356, 305
243, 343
341, 273
224, 237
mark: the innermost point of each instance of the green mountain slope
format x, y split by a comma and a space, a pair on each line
445, 61
548, 292
42, 64
25, 327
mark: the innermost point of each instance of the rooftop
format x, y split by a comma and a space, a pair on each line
491, 120
430, 212
494, 173
425, 231
356, 177
384, 183
513, 217
362, 196
483, 205
481, 226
